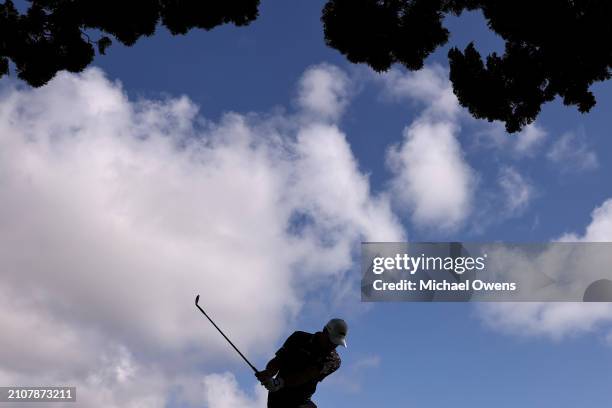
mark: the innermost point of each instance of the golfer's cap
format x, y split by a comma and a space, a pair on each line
337, 330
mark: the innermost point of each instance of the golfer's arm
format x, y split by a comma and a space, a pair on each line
273, 365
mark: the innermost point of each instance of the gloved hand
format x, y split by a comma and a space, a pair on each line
273, 384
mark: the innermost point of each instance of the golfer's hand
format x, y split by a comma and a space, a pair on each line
273, 384
264, 375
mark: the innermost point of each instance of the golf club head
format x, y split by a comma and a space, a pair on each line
197, 299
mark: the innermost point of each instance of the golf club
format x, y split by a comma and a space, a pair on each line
223, 334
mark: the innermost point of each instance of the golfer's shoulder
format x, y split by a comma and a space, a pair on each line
299, 337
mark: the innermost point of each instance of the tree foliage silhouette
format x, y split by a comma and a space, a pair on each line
557, 47
52, 34
552, 48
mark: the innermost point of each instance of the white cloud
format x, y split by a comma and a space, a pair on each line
115, 214
559, 320
525, 143
528, 139
572, 153
429, 86
222, 391
518, 192
431, 179
599, 229
324, 91
552, 320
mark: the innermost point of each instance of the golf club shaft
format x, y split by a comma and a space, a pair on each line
223, 334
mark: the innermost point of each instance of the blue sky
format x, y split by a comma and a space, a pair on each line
399, 355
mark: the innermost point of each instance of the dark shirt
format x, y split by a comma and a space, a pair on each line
300, 352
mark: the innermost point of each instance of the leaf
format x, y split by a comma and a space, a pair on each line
103, 44
4, 66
